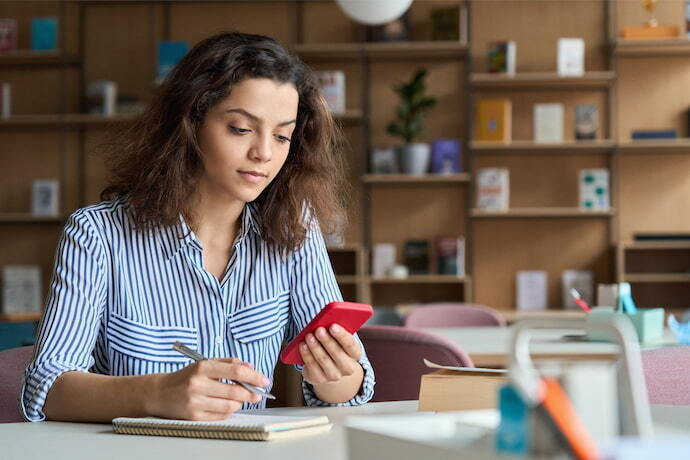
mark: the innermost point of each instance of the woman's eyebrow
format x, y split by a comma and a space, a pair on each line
255, 118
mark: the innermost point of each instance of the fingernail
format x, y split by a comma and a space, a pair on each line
303, 346
335, 328
311, 339
321, 332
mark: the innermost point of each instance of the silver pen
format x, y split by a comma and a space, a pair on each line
188, 352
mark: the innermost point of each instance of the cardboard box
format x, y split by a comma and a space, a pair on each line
451, 389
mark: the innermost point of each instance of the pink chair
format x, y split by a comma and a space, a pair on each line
453, 315
396, 354
13, 362
667, 373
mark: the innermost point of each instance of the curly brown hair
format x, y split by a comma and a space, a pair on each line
156, 162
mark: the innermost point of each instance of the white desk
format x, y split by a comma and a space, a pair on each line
489, 346
76, 441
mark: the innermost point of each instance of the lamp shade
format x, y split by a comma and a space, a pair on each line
374, 12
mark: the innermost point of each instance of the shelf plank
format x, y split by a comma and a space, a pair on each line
416, 179
657, 277
383, 50
20, 317
651, 48
352, 247
26, 58
540, 212
68, 120
347, 279
542, 80
633, 245
349, 116
531, 147
655, 146
27, 218
421, 279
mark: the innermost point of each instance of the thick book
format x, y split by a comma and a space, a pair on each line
249, 427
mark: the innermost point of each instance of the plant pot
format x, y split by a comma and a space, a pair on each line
414, 158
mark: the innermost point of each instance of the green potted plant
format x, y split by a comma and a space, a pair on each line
413, 156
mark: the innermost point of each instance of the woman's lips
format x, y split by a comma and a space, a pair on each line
252, 176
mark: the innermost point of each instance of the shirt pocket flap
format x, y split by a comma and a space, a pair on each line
152, 343
260, 319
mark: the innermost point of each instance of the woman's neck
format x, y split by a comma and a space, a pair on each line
216, 221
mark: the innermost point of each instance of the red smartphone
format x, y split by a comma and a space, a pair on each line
349, 315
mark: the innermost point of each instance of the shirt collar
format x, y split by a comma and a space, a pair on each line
176, 237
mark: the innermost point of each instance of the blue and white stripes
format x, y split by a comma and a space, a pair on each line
120, 298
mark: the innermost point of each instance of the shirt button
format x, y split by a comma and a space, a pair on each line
219, 339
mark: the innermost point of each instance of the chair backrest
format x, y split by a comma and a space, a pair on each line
13, 362
453, 315
667, 373
396, 354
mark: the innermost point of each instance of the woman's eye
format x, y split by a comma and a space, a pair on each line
237, 130
283, 139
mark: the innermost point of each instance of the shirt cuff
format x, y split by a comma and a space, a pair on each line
364, 395
37, 383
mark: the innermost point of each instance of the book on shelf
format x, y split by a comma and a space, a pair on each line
248, 427
21, 289
101, 97
571, 57
651, 134
45, 197
450, 253
586, 121
417, 257
548, 123
494, 120
445, 156
383, 259
8, 35
594, 190
493, 189
44, 34
680, 236
332, 85
169, 54
580, 280
5, 100
446, 23
501, 57
532, 290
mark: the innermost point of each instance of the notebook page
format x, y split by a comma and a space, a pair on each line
242, 421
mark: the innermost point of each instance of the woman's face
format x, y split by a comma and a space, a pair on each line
245, 138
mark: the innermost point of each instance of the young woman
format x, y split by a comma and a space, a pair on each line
211, 237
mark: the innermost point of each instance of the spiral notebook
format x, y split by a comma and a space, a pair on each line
250, 427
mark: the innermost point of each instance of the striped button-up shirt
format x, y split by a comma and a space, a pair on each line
120, 298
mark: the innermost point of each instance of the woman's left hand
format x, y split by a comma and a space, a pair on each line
329, 355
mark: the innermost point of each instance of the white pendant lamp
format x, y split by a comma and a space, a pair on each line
374, 12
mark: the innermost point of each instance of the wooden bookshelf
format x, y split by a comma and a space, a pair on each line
657, 277
540, 213
28, 218
20, 317
595, 147
661, 146
412, 50
651, 48
542, 80
27, 58
417, 179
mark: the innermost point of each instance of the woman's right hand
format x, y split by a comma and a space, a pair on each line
195, 392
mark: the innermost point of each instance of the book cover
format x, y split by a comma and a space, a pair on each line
8, 35
45, 198
21, 289
44, 34
642, 134
532, 290
571, 57
417, 257
586, 122
450, 255
580, 280
332, 84
5, 100
493, 120
548, 123
493, 189
383, 259
169, 54
594, 189
101, 97
445, 156
501, 57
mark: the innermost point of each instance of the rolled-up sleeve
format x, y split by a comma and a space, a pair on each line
71, 320
313, 286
